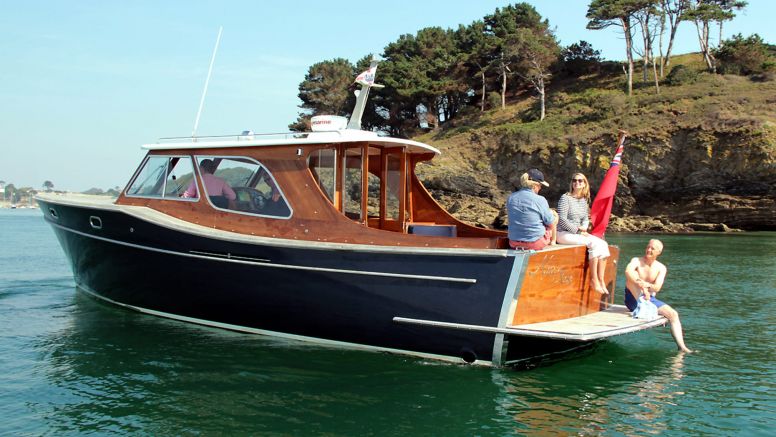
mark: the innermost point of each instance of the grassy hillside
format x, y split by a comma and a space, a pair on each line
713, 135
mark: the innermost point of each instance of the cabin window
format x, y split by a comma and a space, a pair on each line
242, 185
370, 189
323, 165
392, 186
180, 175
351, 184
163, 177
373, 197
373, 186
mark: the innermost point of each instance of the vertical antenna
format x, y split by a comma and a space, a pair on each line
209, 70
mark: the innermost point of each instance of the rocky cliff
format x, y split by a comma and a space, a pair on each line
700, 156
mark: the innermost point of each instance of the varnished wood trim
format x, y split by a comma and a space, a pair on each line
408, 244
339, 175
427, 209
402, 189
315, 219
383, 187
556, 286
364, 183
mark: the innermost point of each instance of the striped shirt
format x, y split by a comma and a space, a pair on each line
573, 213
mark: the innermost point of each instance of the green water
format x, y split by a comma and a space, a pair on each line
71, 365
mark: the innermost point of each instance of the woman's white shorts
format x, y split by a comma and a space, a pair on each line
596, 247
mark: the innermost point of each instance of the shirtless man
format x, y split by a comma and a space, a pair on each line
644, 277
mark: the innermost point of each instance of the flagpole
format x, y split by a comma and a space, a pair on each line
601, 208
622, 133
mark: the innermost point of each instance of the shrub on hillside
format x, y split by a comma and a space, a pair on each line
494, 100
681, 75
466, 112
611, 67
580, 59
605, 104
744, 56
532, 113
768, 76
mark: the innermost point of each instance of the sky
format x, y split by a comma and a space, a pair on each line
83, 84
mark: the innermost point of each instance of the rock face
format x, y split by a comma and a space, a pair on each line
682, 179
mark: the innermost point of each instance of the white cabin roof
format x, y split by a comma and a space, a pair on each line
288, 139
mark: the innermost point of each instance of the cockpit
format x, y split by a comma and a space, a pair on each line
232, 183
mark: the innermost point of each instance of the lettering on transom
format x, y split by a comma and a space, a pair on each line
552, 272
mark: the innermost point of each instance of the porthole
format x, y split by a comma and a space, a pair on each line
95, 222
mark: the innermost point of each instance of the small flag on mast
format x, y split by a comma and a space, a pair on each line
602, 204
367, 77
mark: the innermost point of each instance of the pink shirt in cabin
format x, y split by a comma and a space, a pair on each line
214, 186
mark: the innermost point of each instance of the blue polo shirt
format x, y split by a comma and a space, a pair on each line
528, 214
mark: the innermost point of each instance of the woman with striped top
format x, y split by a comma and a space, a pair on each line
573, 224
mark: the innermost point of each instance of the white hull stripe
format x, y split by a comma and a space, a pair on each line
300, 338
157, 218
221, 258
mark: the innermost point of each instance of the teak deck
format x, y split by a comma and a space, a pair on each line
615, 320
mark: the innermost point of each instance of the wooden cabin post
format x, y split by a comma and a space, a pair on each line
410, 205
364, 182
383, 187
403, 189
339, 176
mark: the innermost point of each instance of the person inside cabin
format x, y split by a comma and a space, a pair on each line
573, 224
644, 277
275, 205
218, 190
531, 221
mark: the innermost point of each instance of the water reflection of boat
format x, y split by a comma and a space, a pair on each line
326, 236
110, 368
588, 397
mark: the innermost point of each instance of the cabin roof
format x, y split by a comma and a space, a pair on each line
288, 139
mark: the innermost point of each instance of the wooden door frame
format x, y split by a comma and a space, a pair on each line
386, 223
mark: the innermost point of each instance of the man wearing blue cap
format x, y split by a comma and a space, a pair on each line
531, 221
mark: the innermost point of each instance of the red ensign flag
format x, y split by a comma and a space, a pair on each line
602, 204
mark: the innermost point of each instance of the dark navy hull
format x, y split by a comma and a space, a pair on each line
340, 295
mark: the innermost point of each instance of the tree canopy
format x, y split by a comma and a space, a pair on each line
580, 58
325, 90
740, 55
432, 75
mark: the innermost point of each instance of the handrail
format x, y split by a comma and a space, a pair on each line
238, 137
